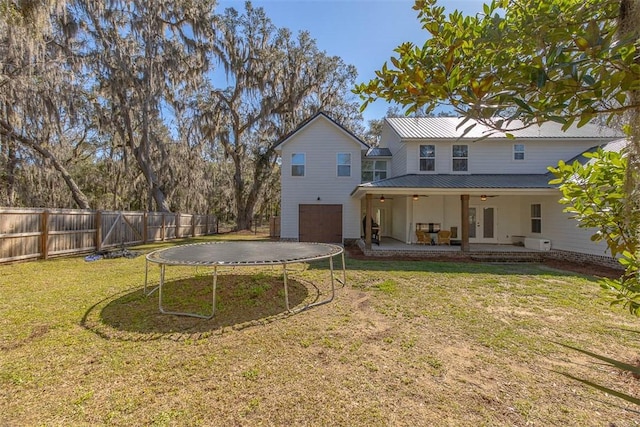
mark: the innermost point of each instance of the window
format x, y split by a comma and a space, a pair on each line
518, 151
460, 156
428, 158
536, 218
297, 164
344, 164
374, 170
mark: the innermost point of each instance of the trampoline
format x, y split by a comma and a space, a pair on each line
242, 254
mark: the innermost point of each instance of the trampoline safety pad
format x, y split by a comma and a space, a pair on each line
238, 254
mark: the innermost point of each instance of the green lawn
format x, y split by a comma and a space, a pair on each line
404, 343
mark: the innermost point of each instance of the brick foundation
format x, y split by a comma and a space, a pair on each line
578, 258
498, 256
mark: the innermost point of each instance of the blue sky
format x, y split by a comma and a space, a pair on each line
362, 32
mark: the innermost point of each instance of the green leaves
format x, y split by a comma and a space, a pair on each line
595, 196
549, 60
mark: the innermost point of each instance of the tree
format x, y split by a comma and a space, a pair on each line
273, 82
568, 61
39, 104
142, 55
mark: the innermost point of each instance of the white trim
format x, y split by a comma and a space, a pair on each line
338, 164
523, 152
468, 170
420, 157
304, 165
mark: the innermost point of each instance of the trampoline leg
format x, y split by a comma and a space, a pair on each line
215, 283
160, 289
146, 276
179, 313
286, 288
333, 286
333, 289
344, 273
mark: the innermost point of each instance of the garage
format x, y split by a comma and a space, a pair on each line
320, 223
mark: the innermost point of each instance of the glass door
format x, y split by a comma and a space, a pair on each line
482, 224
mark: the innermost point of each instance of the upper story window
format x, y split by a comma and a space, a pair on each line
428, 158
297, 164
344, 164
536, 218
374, 170
460, 155
518, 151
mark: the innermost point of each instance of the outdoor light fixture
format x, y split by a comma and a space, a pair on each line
415, 197
381, 199
483, 197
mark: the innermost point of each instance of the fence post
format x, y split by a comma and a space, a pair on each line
164, 224
44, 242
177, 233
193, 225
98, 227
145, 221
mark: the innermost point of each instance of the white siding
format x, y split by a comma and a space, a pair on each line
389, 139
489, 156
563, 231
320, 140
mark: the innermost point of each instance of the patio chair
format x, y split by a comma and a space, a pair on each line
444, 237
423, 237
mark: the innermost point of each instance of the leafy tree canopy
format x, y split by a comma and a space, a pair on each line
557, 60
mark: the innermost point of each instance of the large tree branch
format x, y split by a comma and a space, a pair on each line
78, 196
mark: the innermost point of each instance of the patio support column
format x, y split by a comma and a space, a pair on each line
464, 222
367, 226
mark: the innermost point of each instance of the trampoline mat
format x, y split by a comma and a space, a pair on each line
243, 253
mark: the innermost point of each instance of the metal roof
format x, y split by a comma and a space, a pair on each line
378, 152
616, 145
446, 128
488, 181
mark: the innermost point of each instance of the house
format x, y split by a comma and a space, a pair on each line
482, 187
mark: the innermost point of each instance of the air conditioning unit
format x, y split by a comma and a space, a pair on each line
537, 244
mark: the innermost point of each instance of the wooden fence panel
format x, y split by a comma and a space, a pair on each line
20, 234
121, 228
70, 232
170, 222
40, 233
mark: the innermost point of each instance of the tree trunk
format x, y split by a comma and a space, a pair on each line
629, 28
12, 163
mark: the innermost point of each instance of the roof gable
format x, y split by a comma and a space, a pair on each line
319, 116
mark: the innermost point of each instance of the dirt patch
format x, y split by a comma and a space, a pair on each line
37, 331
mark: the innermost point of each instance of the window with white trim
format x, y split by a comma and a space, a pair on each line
518, 151
374, 170
536, 218
460, 156
344, 164
297, 164
428, 158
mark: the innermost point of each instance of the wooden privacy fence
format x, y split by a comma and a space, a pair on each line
44, 233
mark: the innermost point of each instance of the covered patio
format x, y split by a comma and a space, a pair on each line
482, 214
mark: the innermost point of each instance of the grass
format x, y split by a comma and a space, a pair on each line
404, 343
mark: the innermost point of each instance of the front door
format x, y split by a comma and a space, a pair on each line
482, 224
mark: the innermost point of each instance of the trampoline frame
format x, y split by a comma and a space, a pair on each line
155, 258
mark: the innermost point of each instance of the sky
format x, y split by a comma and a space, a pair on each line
362, 32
